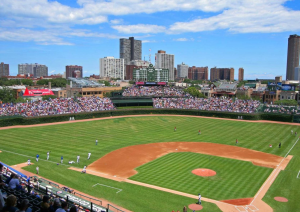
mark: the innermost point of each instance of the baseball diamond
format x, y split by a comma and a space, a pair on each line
152, 165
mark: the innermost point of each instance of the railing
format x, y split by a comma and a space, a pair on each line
113, 208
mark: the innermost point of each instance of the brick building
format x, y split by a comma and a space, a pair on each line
222, 74
198, 73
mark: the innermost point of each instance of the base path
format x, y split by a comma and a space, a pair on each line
122, 162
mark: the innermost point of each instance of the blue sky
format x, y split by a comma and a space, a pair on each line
252, 34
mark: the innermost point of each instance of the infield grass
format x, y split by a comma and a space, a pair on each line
74, 139
240, 179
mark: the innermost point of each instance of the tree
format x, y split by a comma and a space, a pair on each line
187, 80
42, 82
194, 92
59, 82
7, 95
106, 83
241, 83
28, 82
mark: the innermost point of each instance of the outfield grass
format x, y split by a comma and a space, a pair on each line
75, 139
240, 179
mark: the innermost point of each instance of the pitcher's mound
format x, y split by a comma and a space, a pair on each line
281, 199
204, 172
195, 207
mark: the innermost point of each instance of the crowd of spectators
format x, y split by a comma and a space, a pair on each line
57, 106
280, 109
22, 197
211, 104
154, 91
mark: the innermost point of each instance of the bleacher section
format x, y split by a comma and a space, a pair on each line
35, 188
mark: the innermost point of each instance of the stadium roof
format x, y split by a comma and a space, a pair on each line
80, 82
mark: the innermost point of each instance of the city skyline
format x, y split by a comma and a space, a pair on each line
232, 33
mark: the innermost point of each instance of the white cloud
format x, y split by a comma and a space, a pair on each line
49, 22
116, 21
139, 28
181, 39
249, 17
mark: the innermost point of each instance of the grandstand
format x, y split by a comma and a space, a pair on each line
83, 83
35, 188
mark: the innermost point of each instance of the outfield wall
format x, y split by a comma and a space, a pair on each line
99, 114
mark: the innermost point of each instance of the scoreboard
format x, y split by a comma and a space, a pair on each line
151, 74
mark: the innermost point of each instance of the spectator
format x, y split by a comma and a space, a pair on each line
45, 205
10, 205
14, 182
9, 178
64, 207
73, 209
24, 206
55, 206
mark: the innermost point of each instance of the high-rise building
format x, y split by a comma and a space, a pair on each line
112, 67
241, 74
35, 69
130, 49
165, 61
73, 71
198, 73
222, 74
4, 69
297, 73
292, 56
182, 70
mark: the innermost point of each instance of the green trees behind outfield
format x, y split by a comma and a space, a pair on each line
6, 82
286, 102
58, 82
194, 92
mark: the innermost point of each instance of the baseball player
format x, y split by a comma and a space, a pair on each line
37, 158
37, 170
78, 157
61, 159
96, 142
89, 155
48, 155
199, 133
175, 129
236, 141
28, 162
84, 169
199, 199
292, 132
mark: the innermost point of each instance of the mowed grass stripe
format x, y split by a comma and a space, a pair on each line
174, 172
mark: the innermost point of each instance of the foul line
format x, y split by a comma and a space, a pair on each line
35, 157
275, 175
119, 190
298, 174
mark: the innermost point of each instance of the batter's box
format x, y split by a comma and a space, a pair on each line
241, 209
252, 208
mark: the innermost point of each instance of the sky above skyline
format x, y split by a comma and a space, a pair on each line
252, 34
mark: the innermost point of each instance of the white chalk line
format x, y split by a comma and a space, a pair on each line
34, 158
119, 190
275, 175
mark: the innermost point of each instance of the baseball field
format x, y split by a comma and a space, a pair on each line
147, 150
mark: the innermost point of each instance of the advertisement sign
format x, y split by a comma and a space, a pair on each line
288, 87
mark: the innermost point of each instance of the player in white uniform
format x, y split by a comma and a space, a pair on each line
48, 155
78, 157
89, 155
37, 169
199, 199
28, 162
84, 169
96, 142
